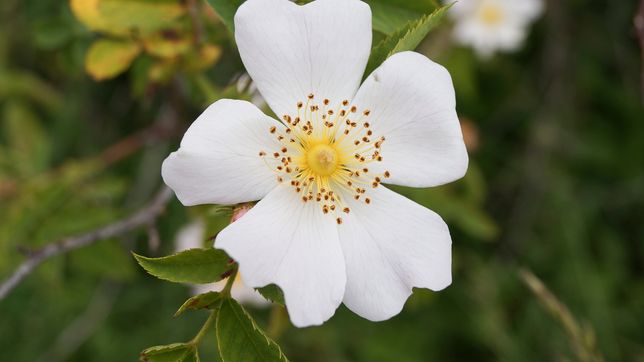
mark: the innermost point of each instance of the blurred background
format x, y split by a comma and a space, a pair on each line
94, 94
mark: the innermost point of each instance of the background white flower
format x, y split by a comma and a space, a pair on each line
326, 230
193, 236
492, 25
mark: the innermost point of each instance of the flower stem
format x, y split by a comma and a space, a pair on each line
225, 293
204, 329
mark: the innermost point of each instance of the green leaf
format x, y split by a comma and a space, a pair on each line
197, 266
201, 301
273, 293
240, 339
226, 10
108, 58
418, 6
388, 19
176, 352
406, 38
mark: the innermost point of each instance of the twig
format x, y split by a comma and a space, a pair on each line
143, 217
639, 28
161, 130
197, 27
582, 337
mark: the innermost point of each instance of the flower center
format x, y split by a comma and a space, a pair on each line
322, 159
324, 155
490, 14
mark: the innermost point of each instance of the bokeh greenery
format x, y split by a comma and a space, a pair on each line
95, 93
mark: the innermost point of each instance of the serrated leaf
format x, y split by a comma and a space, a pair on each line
201, 301
176, 352
240, 339
198, 266
388, 19
419, 6
226, 10
406, 38
106, 59
273, 293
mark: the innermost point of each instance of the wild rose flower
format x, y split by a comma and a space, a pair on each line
492, 25
327, 231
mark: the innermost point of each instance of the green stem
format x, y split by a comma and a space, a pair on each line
277, 322
204, 329
225, 293
229, 283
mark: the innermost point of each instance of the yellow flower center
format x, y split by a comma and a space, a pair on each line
325, 154
491, 14
322, 159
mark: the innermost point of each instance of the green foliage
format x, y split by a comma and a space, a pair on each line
417, 6
176, 352
190, 266
240, 339
405, 38
388, 19
273, 293
208, 300
226, 10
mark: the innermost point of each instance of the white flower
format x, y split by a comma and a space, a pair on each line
326, 231
491, 25
192, 236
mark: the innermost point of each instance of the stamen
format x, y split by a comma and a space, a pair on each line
325, 154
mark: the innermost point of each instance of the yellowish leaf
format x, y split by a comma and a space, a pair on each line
204, 58
167, 44
121, 17
108, 58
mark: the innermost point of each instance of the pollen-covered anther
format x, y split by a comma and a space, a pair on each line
325, 154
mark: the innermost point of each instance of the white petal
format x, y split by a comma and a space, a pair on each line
247, 295
218, 161
291, 51
285, 241
390, 246
412, 104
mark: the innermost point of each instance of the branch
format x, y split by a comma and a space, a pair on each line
582, 337
143, 217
